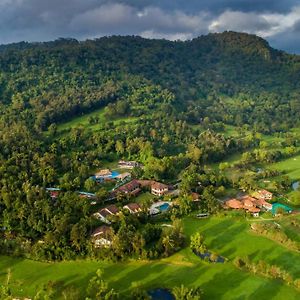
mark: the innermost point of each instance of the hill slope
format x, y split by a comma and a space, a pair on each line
67, 77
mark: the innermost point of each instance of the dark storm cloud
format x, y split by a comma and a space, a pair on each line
38, 20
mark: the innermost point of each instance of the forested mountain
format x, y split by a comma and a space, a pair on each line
232, 77
176, 96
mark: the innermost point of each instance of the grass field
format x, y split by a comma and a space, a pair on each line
227, 236
84, 121
291, 166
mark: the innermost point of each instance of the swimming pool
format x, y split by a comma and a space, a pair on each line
164, 207
276, 205
159, 207
114, 174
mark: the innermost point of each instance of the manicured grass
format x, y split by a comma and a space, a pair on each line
227, 236
144, 197
290, 165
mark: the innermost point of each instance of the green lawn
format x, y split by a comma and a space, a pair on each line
144, 197
290, 165
227, 236
84, 121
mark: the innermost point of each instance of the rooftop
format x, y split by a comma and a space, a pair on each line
159, 186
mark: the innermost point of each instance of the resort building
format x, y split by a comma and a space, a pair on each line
234, 203
102, 236
247, 203
159, 189
254, 211
264, 195
105, 213
131, 188
123, 164
133, 208
103, 174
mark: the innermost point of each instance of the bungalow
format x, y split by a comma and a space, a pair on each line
264, 195
254, 211
103, 174
234, 203
131, 188
133, 208
159, 189
195, 197
107, 212
123, 164
102, 236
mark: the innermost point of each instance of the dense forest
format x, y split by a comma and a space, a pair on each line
231, 77
178, 93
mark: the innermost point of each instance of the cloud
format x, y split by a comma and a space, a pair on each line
39, 20
150, 21
239, 21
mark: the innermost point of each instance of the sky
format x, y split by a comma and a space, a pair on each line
278, 21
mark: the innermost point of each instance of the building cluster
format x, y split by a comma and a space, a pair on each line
253, 205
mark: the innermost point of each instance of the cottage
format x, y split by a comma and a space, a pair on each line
102, 236
159, 189
105, 213
123, 164
131, 188
254, 211
133, 208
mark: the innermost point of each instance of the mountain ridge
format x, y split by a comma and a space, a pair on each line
44, 77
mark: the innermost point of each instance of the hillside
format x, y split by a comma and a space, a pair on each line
66, 77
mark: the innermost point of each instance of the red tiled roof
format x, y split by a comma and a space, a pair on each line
248, 203
254, 209
135, 207
195, 196
54, 194
159, 186
102, 230
234, 203
264, 192
104, 213
129, 187
113, 209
